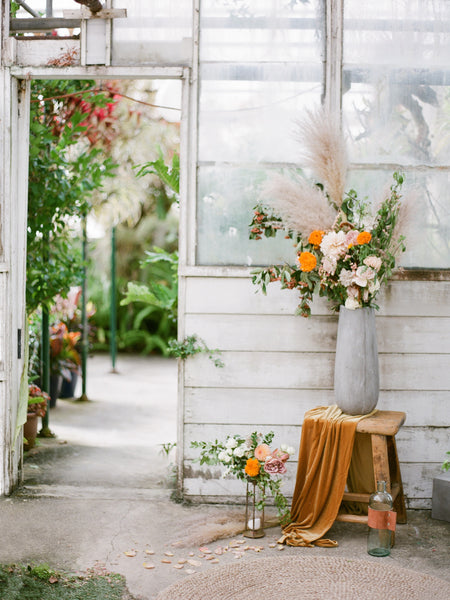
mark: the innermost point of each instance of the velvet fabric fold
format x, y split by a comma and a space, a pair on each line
326, 447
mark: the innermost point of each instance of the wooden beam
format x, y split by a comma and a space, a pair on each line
106, 13
42, 24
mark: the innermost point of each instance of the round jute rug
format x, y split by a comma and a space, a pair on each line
294, 578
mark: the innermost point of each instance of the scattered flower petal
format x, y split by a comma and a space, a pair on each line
194, 563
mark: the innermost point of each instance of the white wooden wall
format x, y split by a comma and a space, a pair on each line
278, 365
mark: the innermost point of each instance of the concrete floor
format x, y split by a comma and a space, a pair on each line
100, 493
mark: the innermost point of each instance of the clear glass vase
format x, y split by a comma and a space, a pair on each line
254, 517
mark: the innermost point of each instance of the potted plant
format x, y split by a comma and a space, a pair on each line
64, 357
441, 493
67, 310
37, 407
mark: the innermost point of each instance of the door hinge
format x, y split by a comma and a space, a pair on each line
19, 343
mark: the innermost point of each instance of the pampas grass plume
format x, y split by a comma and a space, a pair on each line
302, 207
324, 151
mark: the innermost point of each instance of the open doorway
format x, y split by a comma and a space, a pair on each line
130, 235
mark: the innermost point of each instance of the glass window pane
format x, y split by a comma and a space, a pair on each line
252, 120
225, 209
396, 81
158, 32
261, 64
426, 223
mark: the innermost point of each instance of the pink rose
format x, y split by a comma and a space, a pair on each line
283, 456
274, 465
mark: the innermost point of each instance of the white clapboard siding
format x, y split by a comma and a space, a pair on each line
420, 335
209, 295
314, 370
277, 406
278, 365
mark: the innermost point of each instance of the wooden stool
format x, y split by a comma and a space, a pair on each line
381, 427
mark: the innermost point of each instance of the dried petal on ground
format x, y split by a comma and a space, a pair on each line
53, 579
178, 566
168, 553
272, 545
218, 551
190, 571
182, 561
280, 547
130, 553
148, 551
166, 561
147, 565
205, 550
194, 563
215, 561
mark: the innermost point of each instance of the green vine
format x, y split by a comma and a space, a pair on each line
192, 345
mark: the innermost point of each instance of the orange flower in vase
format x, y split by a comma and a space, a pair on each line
307, 261
252, 468
363, 238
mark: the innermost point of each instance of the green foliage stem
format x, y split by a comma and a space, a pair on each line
192, 345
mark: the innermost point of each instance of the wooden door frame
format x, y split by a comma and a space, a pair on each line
14, 148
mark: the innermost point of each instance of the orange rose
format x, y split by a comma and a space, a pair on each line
363, 238
262, 451
307, 261
315, 237
252, 467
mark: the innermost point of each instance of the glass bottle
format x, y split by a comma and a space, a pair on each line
379, 537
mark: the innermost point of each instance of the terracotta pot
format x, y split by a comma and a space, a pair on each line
356, 376
30, 430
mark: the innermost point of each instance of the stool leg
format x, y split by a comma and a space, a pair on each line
394, 467
381, 460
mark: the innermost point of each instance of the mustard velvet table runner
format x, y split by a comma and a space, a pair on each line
326, 447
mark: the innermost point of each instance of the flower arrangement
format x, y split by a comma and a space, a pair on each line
64, 356
343, 251
37, 400
251, 459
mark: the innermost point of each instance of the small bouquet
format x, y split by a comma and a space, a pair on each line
37, 400
251, 459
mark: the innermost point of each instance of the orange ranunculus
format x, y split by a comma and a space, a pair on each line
363, 238
262, 451
307, 261
252, 467
315, 237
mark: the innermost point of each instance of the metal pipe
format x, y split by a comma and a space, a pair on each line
113, 315
84, 320
49, 8
45, 361
30, 10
